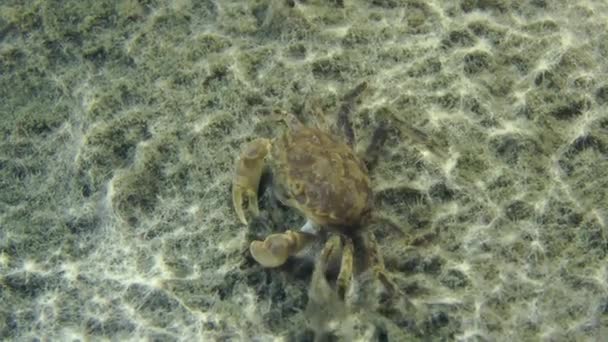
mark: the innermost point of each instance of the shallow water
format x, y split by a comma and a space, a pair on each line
121, 122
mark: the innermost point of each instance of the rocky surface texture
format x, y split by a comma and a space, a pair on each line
121, 120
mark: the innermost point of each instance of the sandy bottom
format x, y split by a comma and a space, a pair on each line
121, 125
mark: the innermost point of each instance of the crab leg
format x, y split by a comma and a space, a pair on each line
247, 177
346, 269
376, 260
276, 248
333, 246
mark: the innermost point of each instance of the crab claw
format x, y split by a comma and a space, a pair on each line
247, 177
276, 248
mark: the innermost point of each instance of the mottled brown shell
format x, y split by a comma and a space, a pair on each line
321, 177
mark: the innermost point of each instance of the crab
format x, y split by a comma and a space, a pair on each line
320, 176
